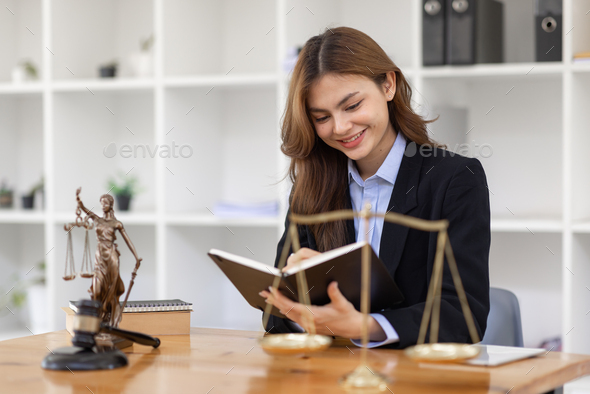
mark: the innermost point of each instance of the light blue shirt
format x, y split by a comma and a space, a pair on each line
376, 190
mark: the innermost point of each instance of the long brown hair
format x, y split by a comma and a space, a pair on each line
319, 172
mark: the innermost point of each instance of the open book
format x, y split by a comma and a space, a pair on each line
342, 265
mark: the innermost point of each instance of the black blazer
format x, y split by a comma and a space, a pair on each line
435, 184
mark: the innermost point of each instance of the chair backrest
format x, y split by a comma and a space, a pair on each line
504, 325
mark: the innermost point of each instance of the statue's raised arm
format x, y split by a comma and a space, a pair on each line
83, 208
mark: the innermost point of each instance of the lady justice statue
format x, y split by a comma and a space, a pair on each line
107, 285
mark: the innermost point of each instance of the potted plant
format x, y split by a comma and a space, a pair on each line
5, 196
25, 71
109, 70
141, 61
124, 189
29, 198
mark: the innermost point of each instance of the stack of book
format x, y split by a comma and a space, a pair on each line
159, 317
582, 57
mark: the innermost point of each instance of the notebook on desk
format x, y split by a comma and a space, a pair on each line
493, 355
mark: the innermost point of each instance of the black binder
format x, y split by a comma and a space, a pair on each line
548, 30
433, 32
474, 31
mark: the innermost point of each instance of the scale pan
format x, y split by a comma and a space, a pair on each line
442, 352
294, 344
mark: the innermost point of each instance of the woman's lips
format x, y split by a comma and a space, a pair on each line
355, 142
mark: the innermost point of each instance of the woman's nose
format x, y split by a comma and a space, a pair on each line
342, 125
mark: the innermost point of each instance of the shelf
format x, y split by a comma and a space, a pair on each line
21, 216
139, 218
86, 35
21, 26
478, 71
582, 226
116, 84
216, 221
134, 218
526, 225
22, 146
21, 88
581, 67
493, 120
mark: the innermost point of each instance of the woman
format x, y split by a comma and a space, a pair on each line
107, 285
353, 138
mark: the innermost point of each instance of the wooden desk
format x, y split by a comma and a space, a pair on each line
225, 361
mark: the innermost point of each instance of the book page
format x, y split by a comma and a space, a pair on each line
245, 261
326, 256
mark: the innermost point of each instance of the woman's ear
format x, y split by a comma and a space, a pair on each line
390, 85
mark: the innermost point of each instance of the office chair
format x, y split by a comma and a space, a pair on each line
504, 326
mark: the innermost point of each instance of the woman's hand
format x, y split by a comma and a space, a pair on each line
336, 318
296, 258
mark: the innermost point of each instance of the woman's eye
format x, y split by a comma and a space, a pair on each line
349, 108
354, 106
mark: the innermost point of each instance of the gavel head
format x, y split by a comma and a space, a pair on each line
86, 323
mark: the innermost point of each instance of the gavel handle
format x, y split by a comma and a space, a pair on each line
131, 335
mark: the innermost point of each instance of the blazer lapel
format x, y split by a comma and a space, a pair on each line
403, 199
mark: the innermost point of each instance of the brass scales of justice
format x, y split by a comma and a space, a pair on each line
362, 377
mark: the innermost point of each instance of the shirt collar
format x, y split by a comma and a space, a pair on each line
389, 169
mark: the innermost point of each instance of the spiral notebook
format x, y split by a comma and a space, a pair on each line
150, 306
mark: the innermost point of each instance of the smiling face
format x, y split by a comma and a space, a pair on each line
349, 113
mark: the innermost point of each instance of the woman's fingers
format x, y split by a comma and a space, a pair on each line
302, 254
276, 298
336, 297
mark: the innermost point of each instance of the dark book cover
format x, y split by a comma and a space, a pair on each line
342, 265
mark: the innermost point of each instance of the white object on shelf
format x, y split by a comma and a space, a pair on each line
19, 74
37, 307
142, 64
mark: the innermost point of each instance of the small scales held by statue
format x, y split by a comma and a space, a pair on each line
107, 286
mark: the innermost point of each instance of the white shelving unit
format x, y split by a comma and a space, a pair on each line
219, 86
